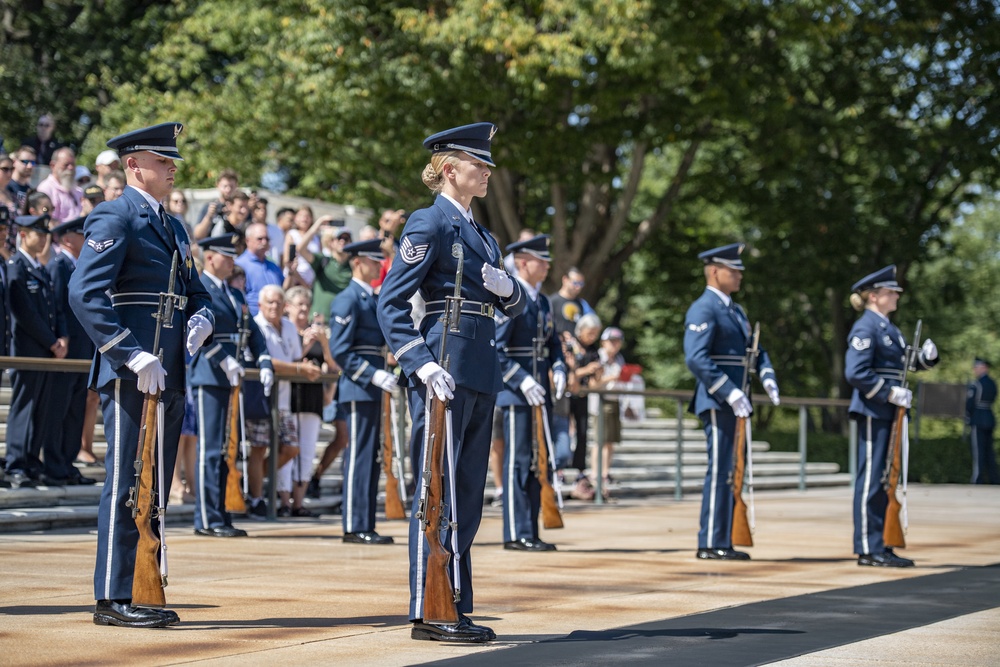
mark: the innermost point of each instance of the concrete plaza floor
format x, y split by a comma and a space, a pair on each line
294, 594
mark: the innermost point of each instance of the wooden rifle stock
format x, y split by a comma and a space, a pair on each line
551, 517
147, 584
741, 524
439, 596
892, 529
393, 500
234, 478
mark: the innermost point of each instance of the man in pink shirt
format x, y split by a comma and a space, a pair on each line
60, 185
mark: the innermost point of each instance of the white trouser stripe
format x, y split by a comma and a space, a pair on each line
508, 492
420, 536
202, 446
116, 471
867, 486
351, 463
714, 444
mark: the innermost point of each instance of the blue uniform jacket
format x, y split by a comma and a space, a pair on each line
36, 320
126, 261
61, 270
5, 308
876, 354
979, 403
205, 369
425, 263
515, 345
356, 343
716, 338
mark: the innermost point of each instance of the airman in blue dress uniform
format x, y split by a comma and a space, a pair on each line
38, 329
358, 347
979, 416
71, 389
123, 268
717, 334
528, 349
426, 265
876, 356
214, 370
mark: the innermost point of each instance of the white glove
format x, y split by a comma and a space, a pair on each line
232, 369
533, 392
771, 387
199, 329
437, 380
558, 384
929, 350
384, 380
497, 281
267, 379
152, 377
901, 397
739, 402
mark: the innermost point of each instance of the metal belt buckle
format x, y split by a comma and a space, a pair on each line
486, 309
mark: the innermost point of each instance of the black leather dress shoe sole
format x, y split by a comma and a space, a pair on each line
221, 531
129, 616
456, 634
525, 544
367, 538
722, 554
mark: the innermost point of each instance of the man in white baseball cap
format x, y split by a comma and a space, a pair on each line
106, 162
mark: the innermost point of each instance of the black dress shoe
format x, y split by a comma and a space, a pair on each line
312, 491
127, 615
466, 622
884, 559
457, 633
367, 537
527, 544
20, 480
79, 479
722, 554
170, 615
221, 531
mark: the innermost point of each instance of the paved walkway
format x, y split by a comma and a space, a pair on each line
624, 587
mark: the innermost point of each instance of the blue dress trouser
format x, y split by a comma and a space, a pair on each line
361, 469
870, 497
211, 469
472, 420
117, 535
522, 491
716, 531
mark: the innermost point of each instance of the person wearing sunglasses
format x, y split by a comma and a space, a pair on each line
23, 162
44, 142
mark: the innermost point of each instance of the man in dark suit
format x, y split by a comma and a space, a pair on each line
214, 370
716, 335
357, 346
38, 329
70, 390
979, 416
130, 247
427, 264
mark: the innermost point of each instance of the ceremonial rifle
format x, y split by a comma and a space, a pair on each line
440, 597
235, 502
741, 533
393, 498
150, 574
551, 518
893, 528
